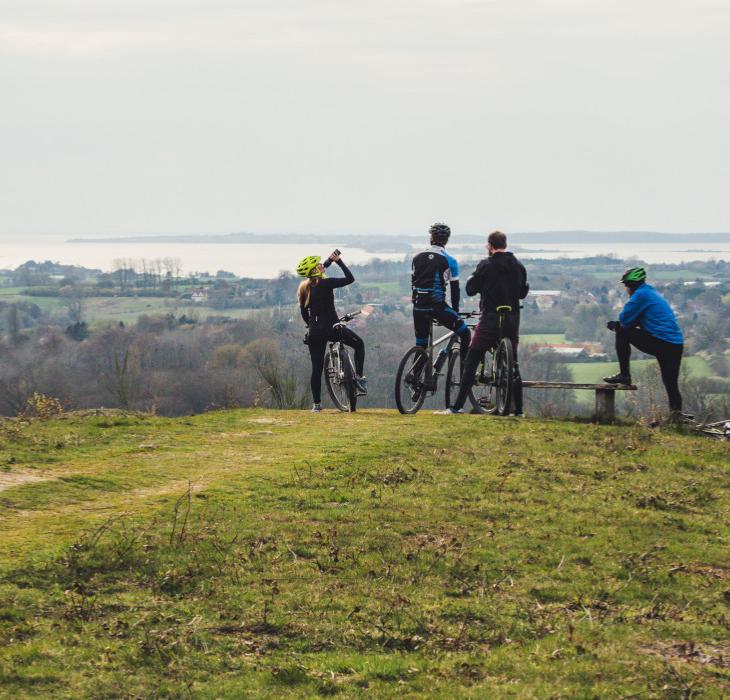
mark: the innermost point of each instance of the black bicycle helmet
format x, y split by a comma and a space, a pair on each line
440, 234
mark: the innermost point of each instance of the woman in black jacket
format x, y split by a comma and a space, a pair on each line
317, 305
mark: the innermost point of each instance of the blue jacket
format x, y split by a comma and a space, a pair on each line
650, 310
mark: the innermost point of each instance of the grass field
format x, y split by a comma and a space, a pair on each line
685, 275
586, 372
540, 338
284, 554
392, 288
126, 309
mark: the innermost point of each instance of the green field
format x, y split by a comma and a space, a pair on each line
284, 554
593, 371
587, 372
125, 309
685, 275
542, 338
390, 288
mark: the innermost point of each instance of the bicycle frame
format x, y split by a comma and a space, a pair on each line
433, 367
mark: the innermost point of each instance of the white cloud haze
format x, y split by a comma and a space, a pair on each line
202, 116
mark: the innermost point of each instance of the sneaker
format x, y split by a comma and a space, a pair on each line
317, 408
618, 379
362, 385
517, 415
448, 412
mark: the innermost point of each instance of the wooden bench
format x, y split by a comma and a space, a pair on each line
605, 395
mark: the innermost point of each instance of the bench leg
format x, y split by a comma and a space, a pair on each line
605, 405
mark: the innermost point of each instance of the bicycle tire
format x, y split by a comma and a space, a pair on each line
484, 390
410, 391
453, 381
349, 380
504, 376
336, 387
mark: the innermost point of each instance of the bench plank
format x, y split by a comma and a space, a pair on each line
605, 395
571, 385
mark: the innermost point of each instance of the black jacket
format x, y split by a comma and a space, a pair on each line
501, 280
431, 272
320, 312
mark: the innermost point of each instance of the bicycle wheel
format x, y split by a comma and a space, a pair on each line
503, 376
410, 384
484, 392
453, 380
334, 378
349, 378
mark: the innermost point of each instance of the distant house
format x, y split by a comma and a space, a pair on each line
544, 298
585, 297
570, 353
704, 283
199, 295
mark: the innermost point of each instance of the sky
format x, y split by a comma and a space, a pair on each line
342, 116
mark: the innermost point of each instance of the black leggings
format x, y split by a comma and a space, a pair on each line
447, 317
669, 356
469, 370
318, 345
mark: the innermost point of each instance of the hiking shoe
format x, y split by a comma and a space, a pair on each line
316, 408
449, 412
618, 379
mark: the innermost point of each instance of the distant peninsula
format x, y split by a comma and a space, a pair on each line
399, 243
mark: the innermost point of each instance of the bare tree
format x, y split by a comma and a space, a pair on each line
74, 302
13, 325
280, 381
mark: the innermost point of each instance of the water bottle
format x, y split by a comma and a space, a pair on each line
440, 359
328, 262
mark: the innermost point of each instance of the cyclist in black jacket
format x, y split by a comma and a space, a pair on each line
317, 306
500, 280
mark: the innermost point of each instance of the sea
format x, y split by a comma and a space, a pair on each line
267, 261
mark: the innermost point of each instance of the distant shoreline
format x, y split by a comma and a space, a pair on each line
379, 243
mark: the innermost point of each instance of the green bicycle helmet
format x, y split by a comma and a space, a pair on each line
308, 266
634, 275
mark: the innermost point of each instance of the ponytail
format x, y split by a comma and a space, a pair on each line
304, 292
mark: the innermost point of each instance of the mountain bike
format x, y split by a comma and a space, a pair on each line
418, 373
339, 371
719, 430
491, 391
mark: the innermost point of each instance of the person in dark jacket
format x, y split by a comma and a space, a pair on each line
500, 280
648, 323
317, 306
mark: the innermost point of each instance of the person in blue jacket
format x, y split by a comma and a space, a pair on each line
433, 272
648, 323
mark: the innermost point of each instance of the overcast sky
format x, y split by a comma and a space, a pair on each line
207, 116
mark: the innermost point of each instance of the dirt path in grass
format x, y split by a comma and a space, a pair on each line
146, 477
9, 480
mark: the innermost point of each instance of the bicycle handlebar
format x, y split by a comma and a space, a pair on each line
348, 317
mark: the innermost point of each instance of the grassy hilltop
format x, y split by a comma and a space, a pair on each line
284, 554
